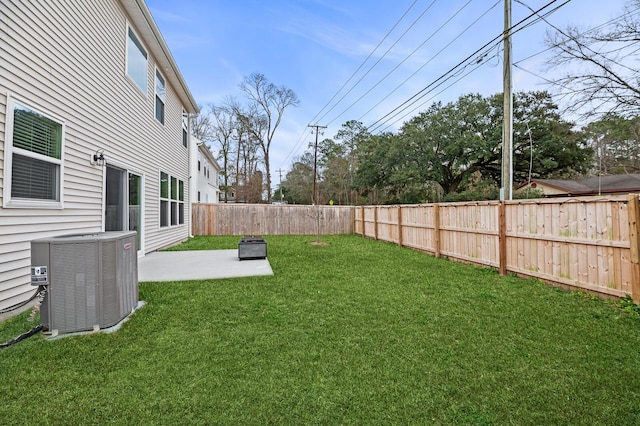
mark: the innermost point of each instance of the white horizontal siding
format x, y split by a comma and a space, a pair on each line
67, 58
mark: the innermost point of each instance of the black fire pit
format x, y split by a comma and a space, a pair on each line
252, 247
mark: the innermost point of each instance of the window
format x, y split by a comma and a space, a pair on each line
180, 202
172, 209
174, 203
161, 95
198, 165
136, 61
164, 202
33, 157
185, 126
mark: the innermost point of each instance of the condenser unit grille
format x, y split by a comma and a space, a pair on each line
92, 279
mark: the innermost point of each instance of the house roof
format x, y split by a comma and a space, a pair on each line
594, 185
146, 27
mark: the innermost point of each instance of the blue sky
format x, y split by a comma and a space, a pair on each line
314, 46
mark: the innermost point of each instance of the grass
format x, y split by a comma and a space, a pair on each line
355, 332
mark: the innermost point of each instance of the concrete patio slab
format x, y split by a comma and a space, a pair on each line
198, 265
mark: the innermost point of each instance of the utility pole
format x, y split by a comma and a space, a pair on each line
314, 195
317, 127
506, 189
279, 171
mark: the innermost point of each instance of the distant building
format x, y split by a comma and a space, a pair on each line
597, 185
207, 175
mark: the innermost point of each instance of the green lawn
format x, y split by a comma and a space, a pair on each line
354, 332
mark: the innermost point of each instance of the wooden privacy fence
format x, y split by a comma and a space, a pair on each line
269, 219
583, 243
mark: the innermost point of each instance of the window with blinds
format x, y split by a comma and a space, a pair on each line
36, 155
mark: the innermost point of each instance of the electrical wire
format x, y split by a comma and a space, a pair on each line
478, 65
422, 93
573, 38
380, 58
315, 118
591, 30
39, 293
406, 59
25, 303
21, 337
428, 62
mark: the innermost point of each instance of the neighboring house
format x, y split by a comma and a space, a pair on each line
93, 130
207, 172
598, 185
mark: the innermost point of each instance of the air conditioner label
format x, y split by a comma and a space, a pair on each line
39, 274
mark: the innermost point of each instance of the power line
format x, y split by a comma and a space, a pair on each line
380, 59
573, 38
304, 133
402, 62
429, 61
419, 95
478, 65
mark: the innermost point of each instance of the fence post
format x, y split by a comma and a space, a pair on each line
436, 229
400, 226
502, 237
375, 222
354, 229
634, 240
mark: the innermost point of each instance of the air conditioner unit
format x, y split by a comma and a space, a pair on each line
92, 279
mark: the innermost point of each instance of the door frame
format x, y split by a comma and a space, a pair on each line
126, 170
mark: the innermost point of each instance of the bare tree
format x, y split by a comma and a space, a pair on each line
223, 126
597, 77
201, 126
263, 114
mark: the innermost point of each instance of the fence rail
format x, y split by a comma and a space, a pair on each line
269, 219
583, 243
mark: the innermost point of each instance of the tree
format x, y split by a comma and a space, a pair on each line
598, 76
223, 124
448, 143
267, 103
616, 142
458, 144
376, 177
299, 180
352, 134
544, 144
201, 126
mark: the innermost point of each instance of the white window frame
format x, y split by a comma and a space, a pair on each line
9, 150
144, 88
157, 76
171, 201
185, 128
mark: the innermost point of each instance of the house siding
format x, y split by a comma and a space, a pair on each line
68, 59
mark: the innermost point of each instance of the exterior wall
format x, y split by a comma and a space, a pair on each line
68, 59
